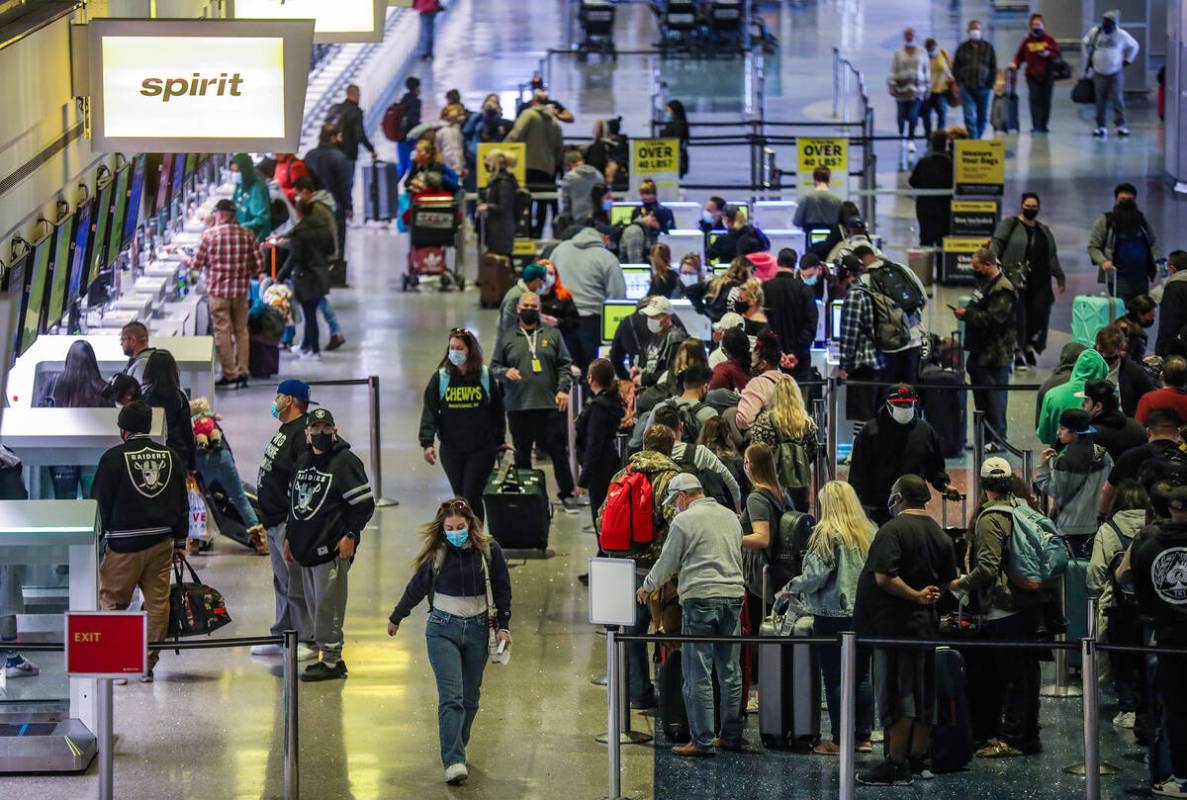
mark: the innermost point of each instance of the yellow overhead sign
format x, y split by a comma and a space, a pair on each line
659, 160
333, 20
831, 152
980, 166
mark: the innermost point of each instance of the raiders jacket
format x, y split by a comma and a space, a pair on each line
330, 498
276, 471
140, 487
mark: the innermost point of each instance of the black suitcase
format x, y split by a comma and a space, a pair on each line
952, 738
263, 357
226, 516
382, 191
673, 715
945, 410
518, 514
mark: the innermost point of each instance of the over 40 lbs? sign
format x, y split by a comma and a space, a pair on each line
659, 160
817, 151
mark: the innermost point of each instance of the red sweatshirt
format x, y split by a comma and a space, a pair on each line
1038, 53
286, 175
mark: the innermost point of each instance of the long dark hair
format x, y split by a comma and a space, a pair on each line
161, 381
679, 118
80, 385
473, 362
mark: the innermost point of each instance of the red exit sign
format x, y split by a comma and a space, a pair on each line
106, 644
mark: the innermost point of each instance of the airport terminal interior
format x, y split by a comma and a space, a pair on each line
211, 724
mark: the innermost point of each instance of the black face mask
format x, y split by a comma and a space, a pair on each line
741, 306
1030, 213
1109, 25
322, 441
529, 316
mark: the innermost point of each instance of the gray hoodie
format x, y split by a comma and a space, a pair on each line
534, 390
589, 271
576, 190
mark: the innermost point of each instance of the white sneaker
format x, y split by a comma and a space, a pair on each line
266, 650
1171, 787
310, 356
306, 653
456, 774
1103, 133
1123, 131
911, 146
20, 667
1125, 719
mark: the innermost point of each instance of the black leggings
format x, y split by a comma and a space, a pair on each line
312, 334
468, 472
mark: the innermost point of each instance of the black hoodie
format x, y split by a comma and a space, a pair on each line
596, 428
1117, 433
330, 498
884, 451
1160, 580
140, 487
276, 471
467, 416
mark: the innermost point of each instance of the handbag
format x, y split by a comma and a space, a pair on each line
195, 609
202, 524
953, 93
1060, 70
1084, 91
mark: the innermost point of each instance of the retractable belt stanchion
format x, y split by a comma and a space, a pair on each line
376, 444
848, 714
1091, 690
623, 697
834, 419
292, 775
104, 711
613, 721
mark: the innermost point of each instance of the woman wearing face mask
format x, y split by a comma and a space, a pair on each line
429, 173
676, 127
787, 422
600, 201
722, 291
750, 305
936, 102
557, 309
1026, 250
663, 277
253, 204
463, 407
909, 83
1038, 51
690, 282
760, 391
463, 573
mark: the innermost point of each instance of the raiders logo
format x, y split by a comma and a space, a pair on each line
310, 487
1168, 573
149, 470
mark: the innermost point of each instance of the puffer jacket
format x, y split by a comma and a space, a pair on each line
828, 586
1074, 480
1090, 366
1112, 538
985, 567
660, 469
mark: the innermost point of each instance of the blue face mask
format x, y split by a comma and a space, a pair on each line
458, 538
275, 410
607, 204
666, 116
810, 281
457, 357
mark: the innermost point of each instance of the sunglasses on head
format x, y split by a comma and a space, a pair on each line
460, 332
456, 504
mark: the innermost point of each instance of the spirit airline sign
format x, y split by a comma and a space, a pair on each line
334, 21
196, 85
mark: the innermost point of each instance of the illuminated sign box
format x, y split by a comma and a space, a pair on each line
333, 20
211, 86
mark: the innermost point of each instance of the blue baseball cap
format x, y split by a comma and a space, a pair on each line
298, 390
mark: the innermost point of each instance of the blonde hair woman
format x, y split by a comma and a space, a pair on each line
463, 573
723, 290
827, 586
787, 421
749, 304
663, 278
498, 202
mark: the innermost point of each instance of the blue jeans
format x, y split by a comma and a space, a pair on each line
716, 616
327, 311
976, 109
457, 652
68, 480
638, 666
218, 466
908, 115
424, 46
992, 402
936, 102
830, 667
403, 157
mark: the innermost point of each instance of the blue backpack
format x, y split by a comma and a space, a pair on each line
443, 380
1038, 553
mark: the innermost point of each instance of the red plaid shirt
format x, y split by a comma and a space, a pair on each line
231, 257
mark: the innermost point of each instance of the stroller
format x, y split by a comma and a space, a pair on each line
434, 222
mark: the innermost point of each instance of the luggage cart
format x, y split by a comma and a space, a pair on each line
434, 226
597, 25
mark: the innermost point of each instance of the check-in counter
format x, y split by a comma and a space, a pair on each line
194, 356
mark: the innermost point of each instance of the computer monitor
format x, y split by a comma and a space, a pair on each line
135, 201
714, 235
119, 214
614, 312
834, 316
742, 204
165, 184
84, 237
55, 303
817, 235
177, 188
638, 280
102, 232
14, 285
620, 213
35, 286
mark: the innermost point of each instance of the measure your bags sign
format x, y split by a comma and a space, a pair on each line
659, 160
211, 86
815, 151
980, 166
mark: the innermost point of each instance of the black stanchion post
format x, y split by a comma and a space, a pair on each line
292, 772
978, 453
376, 445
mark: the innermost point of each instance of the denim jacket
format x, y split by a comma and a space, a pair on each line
829, 586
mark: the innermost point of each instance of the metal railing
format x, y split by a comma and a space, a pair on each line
375, 437
105, 705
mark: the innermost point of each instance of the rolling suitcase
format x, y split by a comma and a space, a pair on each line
1090, 313
946, 410
788, 689
263, 356
382, 194
518, 515
673, 714
495, 277
952, 740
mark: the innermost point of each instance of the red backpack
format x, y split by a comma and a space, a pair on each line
393, 122
627, 513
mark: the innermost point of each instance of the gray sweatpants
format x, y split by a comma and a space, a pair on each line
325, 588
292, 609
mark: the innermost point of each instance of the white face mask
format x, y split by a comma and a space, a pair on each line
902, 414
653, 325
689, 278
975, 34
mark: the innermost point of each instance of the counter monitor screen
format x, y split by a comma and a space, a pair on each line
83, 239
119, 214
102, 228
614, 312
638, 280
134, 202
714, 235
35, 291
835, 319
620, 213
818, 236
63, 250
14, 284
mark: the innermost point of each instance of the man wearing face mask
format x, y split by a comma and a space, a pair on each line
791, 309
272, 490
531, 281
1123, 243
1026, 249
1132, 381
330, 503
533, 363
975, 68
895, 443
1108, 50
1038, 52
1172, 309
665, 337
991, 327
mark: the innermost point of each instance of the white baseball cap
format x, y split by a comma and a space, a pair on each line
996, 467
657, 306
729, 320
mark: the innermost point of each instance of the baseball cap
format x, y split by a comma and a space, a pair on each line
1177, 498
658, 306
298, 390
1077, 420
913, 489
534, 272
996, 467
730, 319
225, 205
136, 417
684, 482
902, 395
319, 415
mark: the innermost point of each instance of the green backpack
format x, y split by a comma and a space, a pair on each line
793, 466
